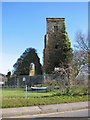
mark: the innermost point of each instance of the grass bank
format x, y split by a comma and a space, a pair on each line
15, 97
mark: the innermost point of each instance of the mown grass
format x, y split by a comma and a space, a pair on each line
20, 92
21, 102
15, 97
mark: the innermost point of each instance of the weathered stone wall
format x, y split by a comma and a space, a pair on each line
55, 27
51, 22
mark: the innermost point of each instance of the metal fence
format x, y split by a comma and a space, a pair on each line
22, 80
20, 86
60, 80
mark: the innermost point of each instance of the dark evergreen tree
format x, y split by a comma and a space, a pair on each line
8, 77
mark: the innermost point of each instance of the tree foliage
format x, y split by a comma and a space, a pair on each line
8, 74
80, 59
81, 53
82, 42
59, 53
22, 66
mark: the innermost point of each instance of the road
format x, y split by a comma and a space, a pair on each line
76, 113
60, 115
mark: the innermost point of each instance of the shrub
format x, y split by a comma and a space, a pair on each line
85, 90
39, 85
51, 85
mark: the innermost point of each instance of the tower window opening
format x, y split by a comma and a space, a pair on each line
55, 28
56, 46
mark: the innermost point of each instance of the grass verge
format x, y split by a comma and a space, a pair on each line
21, 102
16, 98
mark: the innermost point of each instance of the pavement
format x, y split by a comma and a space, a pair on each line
12, 112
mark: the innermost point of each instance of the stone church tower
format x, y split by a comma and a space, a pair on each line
54, 26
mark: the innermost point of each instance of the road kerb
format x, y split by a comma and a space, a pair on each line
42, 109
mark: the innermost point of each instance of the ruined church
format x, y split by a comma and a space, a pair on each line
55, 33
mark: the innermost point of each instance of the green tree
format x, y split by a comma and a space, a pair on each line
22, 66
58, 54
8, 77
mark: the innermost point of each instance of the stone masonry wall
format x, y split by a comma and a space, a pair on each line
54, 26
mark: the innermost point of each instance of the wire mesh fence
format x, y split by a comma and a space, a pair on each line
43, 80
55, 84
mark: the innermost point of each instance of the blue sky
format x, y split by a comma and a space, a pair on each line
24, 26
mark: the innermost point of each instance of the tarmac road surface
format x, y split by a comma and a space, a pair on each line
54, 111
82, 114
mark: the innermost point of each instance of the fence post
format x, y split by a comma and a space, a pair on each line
26, 91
